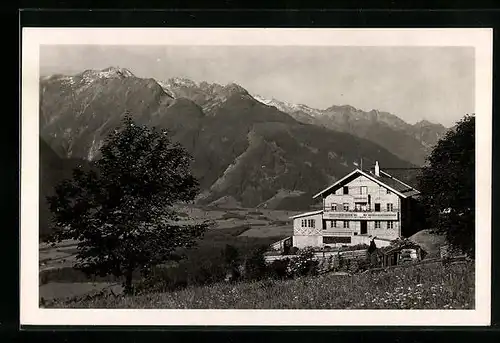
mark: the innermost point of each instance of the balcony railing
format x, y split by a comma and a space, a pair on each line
360, 197
361, 214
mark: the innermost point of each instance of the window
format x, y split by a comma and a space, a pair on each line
389, 207
307, 223
334, 207
334, 239
390, 225
346, 190
363, 190
357, 207
377, 224
333, 223
346, 224
377, 207
346, 207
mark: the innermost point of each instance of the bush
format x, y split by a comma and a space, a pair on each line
219, 253
255, 265
304, 264
374, 260
278, 269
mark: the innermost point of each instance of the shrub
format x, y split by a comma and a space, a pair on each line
303, 264
278, 269
255, 265
374, 260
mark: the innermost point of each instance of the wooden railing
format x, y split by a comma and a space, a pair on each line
368, 215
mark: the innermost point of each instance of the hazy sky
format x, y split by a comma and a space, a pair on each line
415, 83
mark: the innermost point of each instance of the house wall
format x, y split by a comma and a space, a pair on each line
377, 194
307, 236
307, 241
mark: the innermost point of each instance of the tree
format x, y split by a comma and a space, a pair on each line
231, 256
447, 186
121, 211
232, 260
255, 264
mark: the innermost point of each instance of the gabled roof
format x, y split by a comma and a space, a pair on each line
281, 240
400, 188
307, 214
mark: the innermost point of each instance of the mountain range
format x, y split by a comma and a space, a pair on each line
248, 151
412, 143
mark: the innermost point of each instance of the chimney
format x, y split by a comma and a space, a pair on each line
377, 169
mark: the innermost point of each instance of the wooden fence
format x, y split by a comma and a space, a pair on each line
333, 255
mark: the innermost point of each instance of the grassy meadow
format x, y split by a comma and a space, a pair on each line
197, 281
244, 229
423, 286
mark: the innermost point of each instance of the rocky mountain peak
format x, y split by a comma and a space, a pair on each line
425, 123
107, 73
181, 82
232, 88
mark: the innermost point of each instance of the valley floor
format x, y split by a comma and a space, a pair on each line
425, 286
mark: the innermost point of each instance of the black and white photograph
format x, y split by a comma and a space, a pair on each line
189, 171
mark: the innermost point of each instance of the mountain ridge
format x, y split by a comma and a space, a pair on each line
413, 141
244, 151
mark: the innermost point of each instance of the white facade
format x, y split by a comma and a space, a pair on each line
356, 209
307, 229
377, 210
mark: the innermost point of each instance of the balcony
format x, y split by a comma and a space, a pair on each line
360, 197
360, 215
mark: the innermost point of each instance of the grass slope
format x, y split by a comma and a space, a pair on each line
426, 286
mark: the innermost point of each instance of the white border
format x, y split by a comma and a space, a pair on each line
32, 38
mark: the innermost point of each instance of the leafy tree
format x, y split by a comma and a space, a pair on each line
121, 211
231, 255
255, 264
232, 260
447, 186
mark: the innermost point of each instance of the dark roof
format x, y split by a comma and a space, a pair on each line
403, 181
408, 176
384, 178
392, 182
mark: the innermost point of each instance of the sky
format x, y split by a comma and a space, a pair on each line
414, 83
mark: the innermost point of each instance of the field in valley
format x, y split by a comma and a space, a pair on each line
244, 227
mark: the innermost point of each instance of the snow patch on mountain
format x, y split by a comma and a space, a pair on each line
90, 76
287, 107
